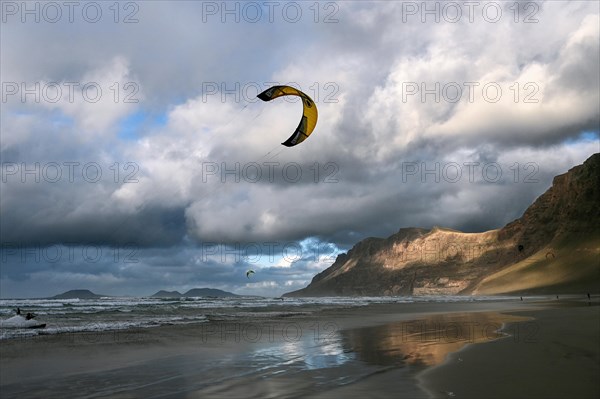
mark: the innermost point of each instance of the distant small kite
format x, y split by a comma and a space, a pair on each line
309, 112
550, 255
249, 272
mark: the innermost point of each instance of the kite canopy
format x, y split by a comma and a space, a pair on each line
309, 113
249, 272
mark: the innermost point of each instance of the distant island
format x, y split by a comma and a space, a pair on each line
195, 292
78, 294
167, 294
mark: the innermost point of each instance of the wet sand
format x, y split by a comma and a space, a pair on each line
379, 351
555, 356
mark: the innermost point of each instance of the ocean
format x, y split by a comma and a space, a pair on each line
128, 313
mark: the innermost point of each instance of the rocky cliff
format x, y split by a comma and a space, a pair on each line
553, 247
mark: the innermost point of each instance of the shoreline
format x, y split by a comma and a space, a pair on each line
374, 350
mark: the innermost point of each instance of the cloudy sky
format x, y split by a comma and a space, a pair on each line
135, 156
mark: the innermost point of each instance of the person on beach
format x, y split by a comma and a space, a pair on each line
29, 316
19, 310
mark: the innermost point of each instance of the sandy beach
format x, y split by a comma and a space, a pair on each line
416, 350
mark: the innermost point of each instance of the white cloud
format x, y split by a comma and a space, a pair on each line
98, 99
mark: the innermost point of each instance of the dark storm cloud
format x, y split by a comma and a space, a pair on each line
147, 227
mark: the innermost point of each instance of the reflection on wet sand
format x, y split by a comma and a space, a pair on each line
426, 341
374, 362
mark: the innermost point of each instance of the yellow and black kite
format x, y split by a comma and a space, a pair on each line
309, 114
